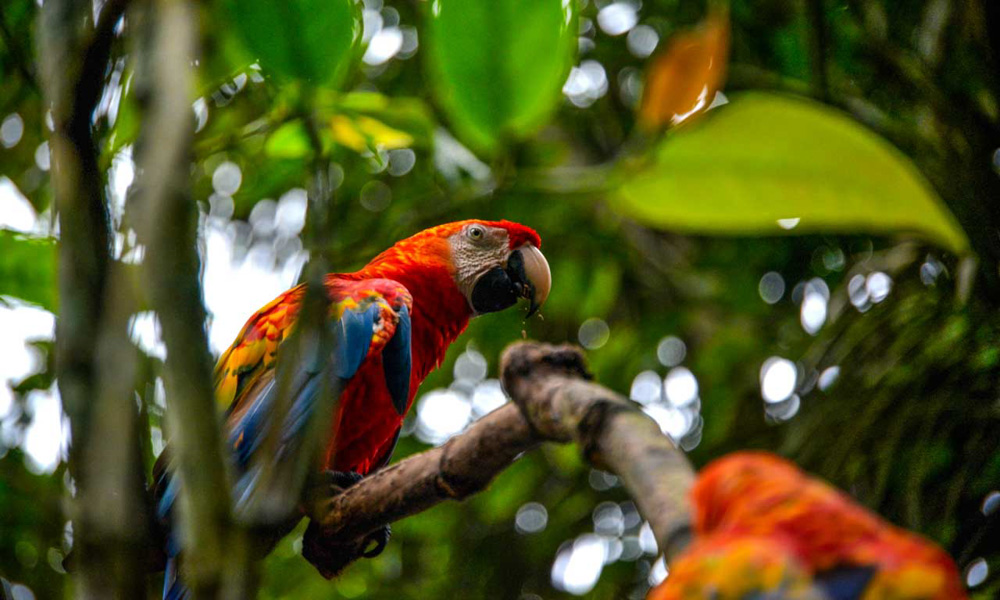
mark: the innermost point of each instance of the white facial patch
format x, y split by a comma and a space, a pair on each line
473, 256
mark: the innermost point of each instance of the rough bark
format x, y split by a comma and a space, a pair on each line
94, 358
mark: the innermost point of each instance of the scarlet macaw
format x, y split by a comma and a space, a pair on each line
763, 527
393, 321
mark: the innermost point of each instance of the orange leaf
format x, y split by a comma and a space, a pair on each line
682, 79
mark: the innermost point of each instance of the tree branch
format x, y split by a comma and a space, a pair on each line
214, 551
72, 88
554, 401
94, 359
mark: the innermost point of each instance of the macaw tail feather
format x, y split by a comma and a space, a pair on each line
173, 589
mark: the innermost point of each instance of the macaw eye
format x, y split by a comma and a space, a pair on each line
476, 232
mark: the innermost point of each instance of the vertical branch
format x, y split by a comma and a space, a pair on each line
112, 508
72, 88
94, 359
167, 223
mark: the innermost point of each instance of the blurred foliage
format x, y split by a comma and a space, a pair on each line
499, 64
301, 39
28, 269
908, 428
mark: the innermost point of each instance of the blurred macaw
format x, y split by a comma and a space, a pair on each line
393, 321
763, 527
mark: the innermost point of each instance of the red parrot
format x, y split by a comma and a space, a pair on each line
761, 525
392, 321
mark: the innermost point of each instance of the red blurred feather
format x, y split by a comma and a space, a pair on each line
751, 497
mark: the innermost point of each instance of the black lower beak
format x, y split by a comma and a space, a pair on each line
494, 291
501, 288
526, 276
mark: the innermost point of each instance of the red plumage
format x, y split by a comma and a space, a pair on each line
366, 423
758, 498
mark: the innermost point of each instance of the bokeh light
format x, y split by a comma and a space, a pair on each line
671, 351
771, 287
618, 18
681, 386
226, 178
647, 388
11, 130
376, 196
828, 377
878, 286
487, 397
531, 518
471, 366
442, 414
602, 480
778, 377
782, 411
812, 314
586, 83
658, 573
977, 572
594, 333
642, 41
579, 563
43, 156
609, 519
990, 503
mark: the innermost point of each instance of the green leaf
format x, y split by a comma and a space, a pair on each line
500, 65
769, 164
28, 268
288, 141
308, 40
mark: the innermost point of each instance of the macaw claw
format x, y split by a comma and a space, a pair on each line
379, 537
331, 555
338, 481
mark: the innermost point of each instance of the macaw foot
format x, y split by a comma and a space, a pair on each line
330, 554
338, 481
323, 487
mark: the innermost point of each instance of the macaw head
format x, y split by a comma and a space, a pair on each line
498, 262
492, 263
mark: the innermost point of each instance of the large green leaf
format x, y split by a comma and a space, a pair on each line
308, 40
774, 164
499, 65
28, 268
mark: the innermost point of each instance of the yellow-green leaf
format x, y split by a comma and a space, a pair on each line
365, 133
771, 164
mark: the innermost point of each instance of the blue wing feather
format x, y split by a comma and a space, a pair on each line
354, 336
847, 583
396, 362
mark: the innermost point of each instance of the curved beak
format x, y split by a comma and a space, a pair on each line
526, 275
533, 274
